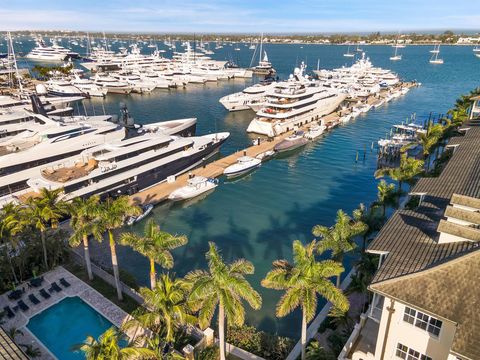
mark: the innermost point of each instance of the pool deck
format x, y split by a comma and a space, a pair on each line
78, 288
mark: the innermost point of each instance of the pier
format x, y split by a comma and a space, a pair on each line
160, 192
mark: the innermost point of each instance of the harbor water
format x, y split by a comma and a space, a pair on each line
257, 217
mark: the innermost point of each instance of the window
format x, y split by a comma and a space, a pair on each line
409, 315
403, 352
434, 326
422, 321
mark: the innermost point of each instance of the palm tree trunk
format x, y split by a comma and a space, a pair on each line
304, 333
221, 331
87, 257
384, 209
153, 274
44, 247
116, 275
12, 269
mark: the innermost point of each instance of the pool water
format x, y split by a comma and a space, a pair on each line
66, 324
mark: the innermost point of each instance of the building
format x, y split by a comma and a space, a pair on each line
426, 296
8, 349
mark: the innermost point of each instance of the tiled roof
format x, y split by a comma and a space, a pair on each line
449, 290
8, 349
410, 237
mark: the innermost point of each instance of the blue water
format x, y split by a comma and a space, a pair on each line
65, 324
259, 216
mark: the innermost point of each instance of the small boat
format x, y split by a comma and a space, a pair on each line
147, 209
348, 53
292, 142
315, 131
244, 165
434, 59
196, 186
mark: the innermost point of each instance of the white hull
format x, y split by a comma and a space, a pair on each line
271, 129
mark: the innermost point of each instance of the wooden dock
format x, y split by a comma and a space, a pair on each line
161, 191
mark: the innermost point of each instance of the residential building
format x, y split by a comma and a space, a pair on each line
426, 295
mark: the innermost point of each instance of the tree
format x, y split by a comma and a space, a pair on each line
386, 195
340, 237
107, 347
371, 218
10, 225
83, 221
112, 214
409, 168
223, 285
303, 281
42, 212
155, 245
316, 352
166, 307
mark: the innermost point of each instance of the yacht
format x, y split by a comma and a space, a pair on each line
55, 53
294, 103
244, 165
112, 85
264, 66
435, 52
126, 166
315, 131
41, 144
248, 98
88, 87
135, 82
292, 142
196, 186
62, 87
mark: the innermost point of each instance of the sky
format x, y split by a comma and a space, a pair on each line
239, 16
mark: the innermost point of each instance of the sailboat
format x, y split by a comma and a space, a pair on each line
348, 53
396, 56
264, 66
434, 59
476, 51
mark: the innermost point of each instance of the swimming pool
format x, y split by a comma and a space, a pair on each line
65, 324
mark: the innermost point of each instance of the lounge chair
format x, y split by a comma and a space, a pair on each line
24, 307
55, 287
64, 282
44, 294
7, 311
34, 299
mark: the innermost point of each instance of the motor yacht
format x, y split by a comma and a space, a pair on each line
249, 98
196, 186
294, 103
292, 142
126, 166
112, 85
63, 87
54, 53
88, 87
244, 165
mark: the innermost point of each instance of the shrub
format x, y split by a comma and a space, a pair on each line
260, 343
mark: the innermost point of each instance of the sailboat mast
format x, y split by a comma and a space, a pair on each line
13, 61
261, 47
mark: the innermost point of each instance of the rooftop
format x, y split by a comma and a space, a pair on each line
8, 349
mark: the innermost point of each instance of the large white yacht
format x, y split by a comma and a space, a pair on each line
41, 144
88, 87
111, 84
56, 53
128, 166
249, 98
294, 103
63, 87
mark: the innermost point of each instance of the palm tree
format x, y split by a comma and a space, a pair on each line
303, 281
112, 214
166, 307
42, 212
386, 195
316, 352
155, 245
340, 237
9, 225
84, 223
371, 218
223, 285
409, 168
107, 347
